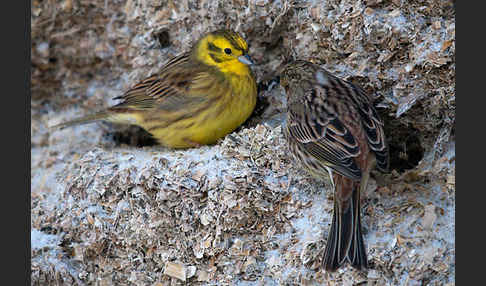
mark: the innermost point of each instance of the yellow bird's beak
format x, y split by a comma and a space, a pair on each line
245, 59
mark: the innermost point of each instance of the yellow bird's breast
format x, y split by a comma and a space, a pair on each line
225, 108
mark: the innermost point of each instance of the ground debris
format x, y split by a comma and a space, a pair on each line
107, 211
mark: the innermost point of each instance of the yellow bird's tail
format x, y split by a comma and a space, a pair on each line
110, 115
102, 115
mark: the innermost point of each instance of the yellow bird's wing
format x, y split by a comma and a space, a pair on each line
169, 90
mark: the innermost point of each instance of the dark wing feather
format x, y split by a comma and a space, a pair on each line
322, 135
166, 90
371, 122
372, 125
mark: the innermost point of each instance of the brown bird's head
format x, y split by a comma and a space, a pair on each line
298, 76
297, 71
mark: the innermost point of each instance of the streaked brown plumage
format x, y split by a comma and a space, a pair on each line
332, 127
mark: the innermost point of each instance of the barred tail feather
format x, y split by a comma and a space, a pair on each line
357, 249
345, 241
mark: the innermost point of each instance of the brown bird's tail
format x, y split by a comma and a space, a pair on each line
345, 240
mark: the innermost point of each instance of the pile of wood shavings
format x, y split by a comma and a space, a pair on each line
236, 212
239, 212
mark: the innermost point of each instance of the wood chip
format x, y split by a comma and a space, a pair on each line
175, 270
429, 216
202, 276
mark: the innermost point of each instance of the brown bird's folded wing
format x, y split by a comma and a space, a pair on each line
324, 137
372, 125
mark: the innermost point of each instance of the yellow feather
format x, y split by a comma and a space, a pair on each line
196, 99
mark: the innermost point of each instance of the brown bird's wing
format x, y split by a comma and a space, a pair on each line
322, 134
166, 90
371, 123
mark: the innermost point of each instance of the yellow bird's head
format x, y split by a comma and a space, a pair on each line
226, 50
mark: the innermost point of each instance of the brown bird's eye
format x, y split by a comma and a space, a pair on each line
227, 51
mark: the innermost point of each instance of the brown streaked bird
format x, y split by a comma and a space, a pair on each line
332, 128
196, 98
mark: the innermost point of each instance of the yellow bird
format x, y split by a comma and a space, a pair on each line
197, 97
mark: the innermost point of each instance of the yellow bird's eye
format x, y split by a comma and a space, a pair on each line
227, 51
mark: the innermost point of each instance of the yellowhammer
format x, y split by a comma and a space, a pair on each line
333, 127
197, 97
